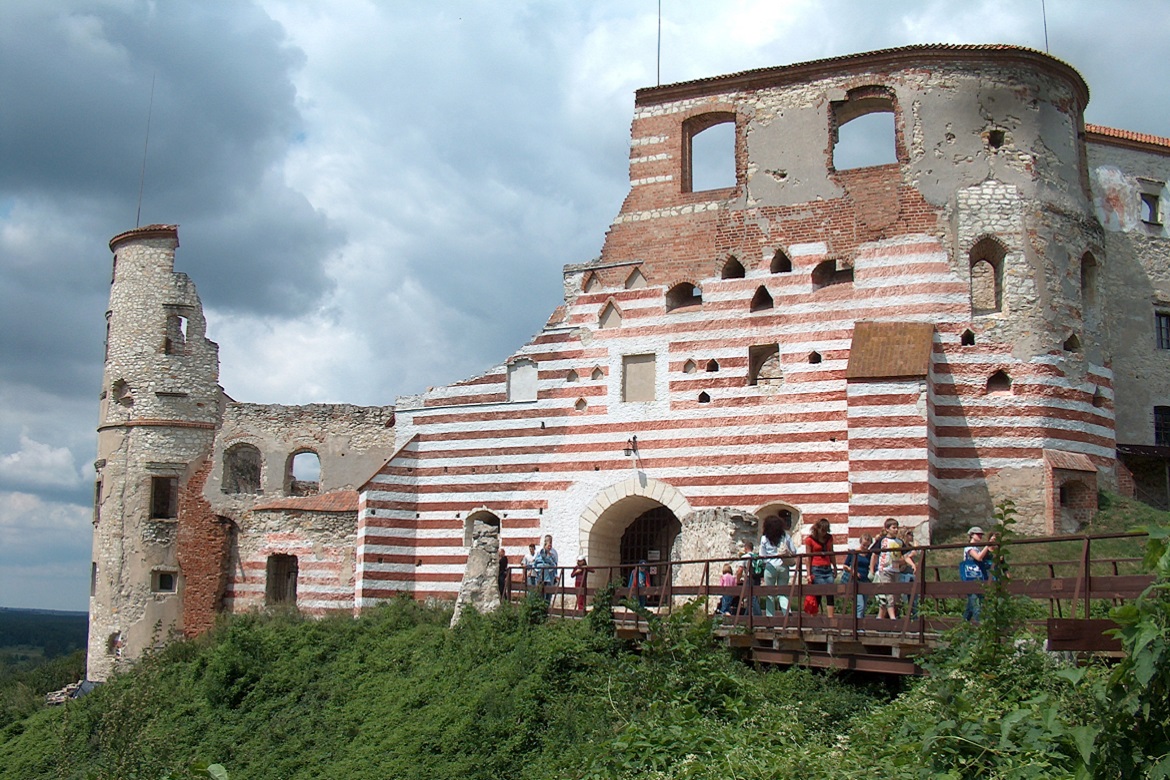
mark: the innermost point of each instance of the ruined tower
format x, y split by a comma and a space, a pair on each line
159, 410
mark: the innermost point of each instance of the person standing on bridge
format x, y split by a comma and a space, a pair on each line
823, 563
886, 554
777, 549
546, 567
976, 567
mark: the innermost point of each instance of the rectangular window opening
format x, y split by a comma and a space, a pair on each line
1162, 325
281, 586
1162, 426
164, 581
164, 498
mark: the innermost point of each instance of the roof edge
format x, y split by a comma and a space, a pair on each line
150, 231
1112, 136
803, 71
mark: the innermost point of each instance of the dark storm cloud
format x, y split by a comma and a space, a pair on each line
76, 93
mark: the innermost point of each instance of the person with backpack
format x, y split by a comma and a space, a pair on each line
776, 549
975, 567
887, 552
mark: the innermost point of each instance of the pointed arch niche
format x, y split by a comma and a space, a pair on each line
611, 317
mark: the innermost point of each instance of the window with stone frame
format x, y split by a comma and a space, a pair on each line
1162, 326
280, 585
1162, 426
164, 498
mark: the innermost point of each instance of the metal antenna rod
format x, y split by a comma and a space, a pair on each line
660, 43
1044, 13
145, 146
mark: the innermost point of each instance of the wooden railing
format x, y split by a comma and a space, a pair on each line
1075, 589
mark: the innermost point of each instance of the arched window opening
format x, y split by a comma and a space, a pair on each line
1088, 282
281, 583
781, 264
761, 301
986, 260
522, 380
572, 376
999, 382
580, 406
864, 132
592, 283
610, 317
732, 269
712, 366
689, 367
597, 374
764, 365
709, 152
814, 357
241, 469
968, 338
682, 295
1072, 344
482, 516
303, 474
704, 398
1098, 398
826, 273
635, 280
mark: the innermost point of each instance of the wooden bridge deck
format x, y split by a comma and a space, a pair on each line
1076, 594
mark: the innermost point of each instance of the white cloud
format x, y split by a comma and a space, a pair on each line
40, 465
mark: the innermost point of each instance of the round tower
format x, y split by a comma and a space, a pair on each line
159, 408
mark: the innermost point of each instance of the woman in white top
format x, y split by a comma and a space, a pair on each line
776, 548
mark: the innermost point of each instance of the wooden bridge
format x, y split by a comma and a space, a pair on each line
1075, 590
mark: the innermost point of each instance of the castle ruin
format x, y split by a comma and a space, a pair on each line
984, 314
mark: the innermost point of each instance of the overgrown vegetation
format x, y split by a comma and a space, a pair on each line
514, 695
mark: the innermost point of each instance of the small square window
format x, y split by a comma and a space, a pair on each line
1162, 326
163, 581
1151, 209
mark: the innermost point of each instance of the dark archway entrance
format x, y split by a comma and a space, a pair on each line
649, 538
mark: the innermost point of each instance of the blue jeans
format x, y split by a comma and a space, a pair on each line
974, 606
823, 575
726, 605
862, 599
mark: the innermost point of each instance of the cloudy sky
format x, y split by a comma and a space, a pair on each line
373, 197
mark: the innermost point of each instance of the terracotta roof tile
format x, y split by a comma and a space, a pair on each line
1072, 461
1110, 134
337, 501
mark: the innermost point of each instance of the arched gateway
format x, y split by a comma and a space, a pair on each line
633, 520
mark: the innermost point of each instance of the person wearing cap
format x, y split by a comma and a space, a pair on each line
981, 557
